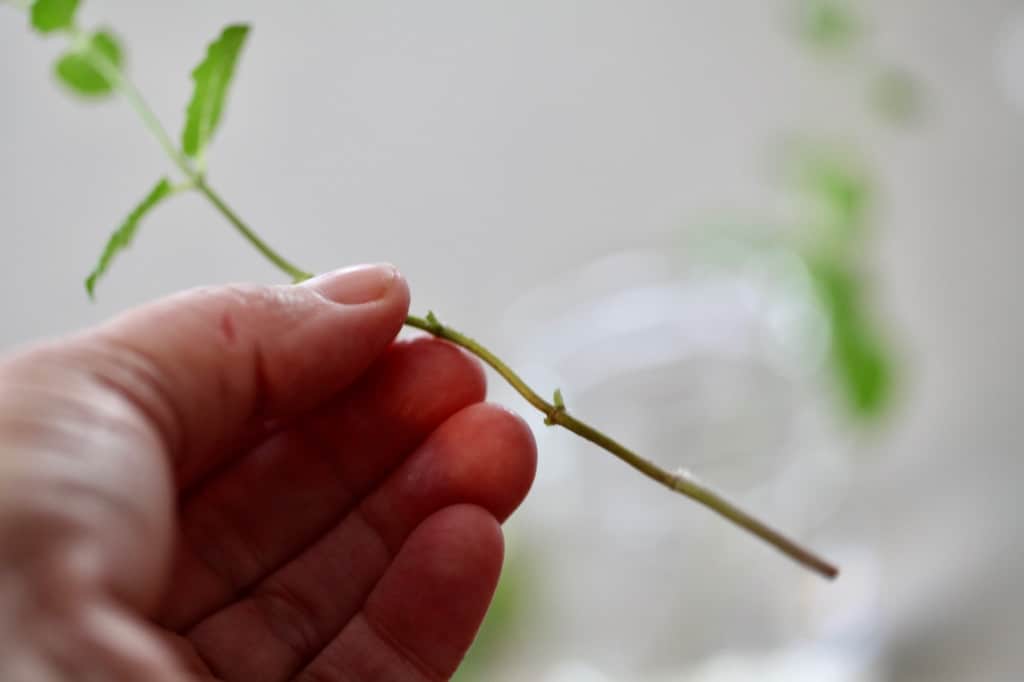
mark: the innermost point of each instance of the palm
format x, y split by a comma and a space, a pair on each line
360, 543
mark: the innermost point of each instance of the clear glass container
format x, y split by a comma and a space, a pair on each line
713, 359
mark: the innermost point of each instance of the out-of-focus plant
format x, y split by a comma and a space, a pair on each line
830, 26
842, 192
833, 251
896, 96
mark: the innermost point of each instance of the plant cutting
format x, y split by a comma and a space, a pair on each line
93, 66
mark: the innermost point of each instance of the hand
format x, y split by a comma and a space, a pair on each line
251, 484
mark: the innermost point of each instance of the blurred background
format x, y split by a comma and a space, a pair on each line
775, 242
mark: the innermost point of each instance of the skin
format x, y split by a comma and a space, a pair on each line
251, 483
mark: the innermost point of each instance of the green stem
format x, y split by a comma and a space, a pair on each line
555, 413
196, 180
681, 482
152, 123
116, 77
297, 274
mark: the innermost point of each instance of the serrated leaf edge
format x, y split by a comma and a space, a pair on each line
122, 237
201, 115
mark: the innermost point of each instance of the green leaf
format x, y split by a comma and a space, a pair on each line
897, 97
87, 70
844, 192
53, 15
829, 24
505, 618
865, 373
860, 360
122, 237
212, 78
559, 400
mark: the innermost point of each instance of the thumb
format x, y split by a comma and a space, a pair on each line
204, 366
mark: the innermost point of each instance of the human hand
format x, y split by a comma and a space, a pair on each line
252, 484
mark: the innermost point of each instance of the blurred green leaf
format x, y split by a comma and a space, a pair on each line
122, 237
503, 617
860, 360
79, 69
212, 78
53, 15
845, 194
897, 97
828, 24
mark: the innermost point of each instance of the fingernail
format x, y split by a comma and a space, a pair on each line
355, 285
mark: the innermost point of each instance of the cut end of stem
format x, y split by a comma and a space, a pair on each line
681, 481
685, 483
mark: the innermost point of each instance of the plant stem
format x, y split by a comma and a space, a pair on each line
152, 123
196, 179
116, 77
681, 482
297, 274
555, 413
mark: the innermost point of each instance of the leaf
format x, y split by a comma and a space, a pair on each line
505, 617
860, 360
844, 193
897, 97
829, 24
53, 15
122, 237
78, 70
865, 373
212, 78
559, 400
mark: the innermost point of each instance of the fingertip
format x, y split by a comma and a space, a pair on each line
483, 455
397, 295
373, 296
505, 461
465, 531
447, 365
358, 284
445, 575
